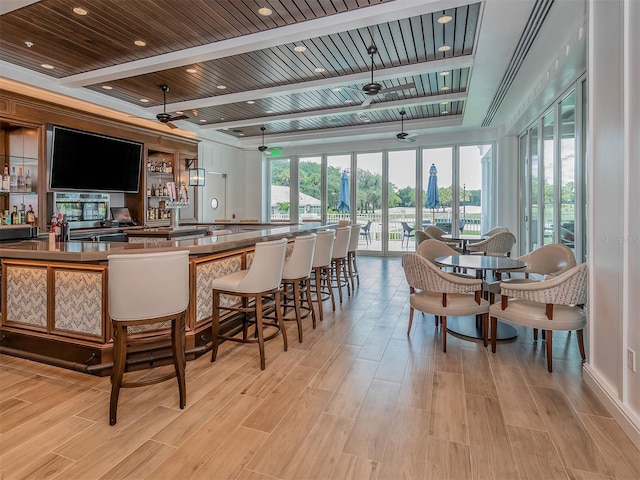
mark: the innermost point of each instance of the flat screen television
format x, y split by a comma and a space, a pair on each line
92, 162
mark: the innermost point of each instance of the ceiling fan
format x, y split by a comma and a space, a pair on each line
373, 88
404, 136
165, 117
262, 147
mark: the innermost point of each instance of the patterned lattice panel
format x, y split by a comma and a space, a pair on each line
78, 302
27, 295
205, 274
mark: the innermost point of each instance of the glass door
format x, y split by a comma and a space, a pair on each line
567, 123
474, 189
402, 200
437, 209
280, 194
338, 188
369, 200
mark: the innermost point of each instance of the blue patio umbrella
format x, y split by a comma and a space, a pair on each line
343, 198
433, 196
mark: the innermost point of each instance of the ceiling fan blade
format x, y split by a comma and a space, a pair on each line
406, 86
171, 125
179, 117
367, 101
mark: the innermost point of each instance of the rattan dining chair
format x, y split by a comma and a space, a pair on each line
553, 304
443, 294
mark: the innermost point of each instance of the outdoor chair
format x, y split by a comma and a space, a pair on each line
407, 232
365, 232
554, 304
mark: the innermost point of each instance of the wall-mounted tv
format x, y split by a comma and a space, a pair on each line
92, 162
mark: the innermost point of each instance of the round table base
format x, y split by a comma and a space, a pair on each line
466, 327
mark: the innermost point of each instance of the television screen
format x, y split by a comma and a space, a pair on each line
91, 162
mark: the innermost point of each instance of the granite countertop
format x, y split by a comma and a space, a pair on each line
79, 251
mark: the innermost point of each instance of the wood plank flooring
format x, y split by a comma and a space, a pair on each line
357, 400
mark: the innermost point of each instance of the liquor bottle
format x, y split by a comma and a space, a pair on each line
58, 228
31, 216
13, 180
22, 215
5, 179
28, 182
15, 217
65, 232
148, 190
21, 182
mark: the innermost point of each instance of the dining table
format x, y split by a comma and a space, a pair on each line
481, 264
463, 239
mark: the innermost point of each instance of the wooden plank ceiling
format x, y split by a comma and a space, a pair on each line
104, 37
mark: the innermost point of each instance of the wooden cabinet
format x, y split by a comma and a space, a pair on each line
160, 169
19, 159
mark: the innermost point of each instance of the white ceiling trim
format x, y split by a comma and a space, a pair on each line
421, 68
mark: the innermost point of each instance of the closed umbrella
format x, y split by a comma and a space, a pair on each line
343, 198
433, 196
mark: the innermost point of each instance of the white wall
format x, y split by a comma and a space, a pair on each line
223, 160
614, 216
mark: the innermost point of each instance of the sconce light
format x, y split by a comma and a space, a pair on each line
196, 175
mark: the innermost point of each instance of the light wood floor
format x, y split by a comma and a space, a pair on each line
358, 399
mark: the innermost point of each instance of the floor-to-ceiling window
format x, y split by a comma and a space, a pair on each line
369, 199
402, 200
437, 209
554, 206
338, 167
474, 189
310, 188
280, 194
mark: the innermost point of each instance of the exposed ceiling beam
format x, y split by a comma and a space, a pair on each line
333, 112
421, 68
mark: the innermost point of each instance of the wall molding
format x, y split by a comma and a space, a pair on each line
627, 420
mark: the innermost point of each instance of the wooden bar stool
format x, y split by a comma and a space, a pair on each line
322, 268
297, 274
352, 266
144, 289
261, 280
339, 260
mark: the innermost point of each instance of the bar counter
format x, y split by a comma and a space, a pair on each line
54, 296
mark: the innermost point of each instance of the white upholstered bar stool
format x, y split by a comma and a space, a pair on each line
261, 280
321, 267
297, 274
352, 266
145, 289
339, 260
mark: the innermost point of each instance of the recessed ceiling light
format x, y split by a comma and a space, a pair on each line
192, 70
265, 12
144, 100
300, 128
179, 113
445, 88
47, 66
366, 120
106, 87
80, 11
445, 19
319, 70
202, 120
299, 48
348, 101
225, 128
221, 118
140, 43
269, 111
29, 44
337, 89
444, 48
250, 102
221, 87
241, 134
444, 74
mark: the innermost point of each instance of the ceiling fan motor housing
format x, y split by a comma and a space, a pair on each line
163, 117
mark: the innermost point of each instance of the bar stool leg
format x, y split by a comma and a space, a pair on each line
327, 279
179, 360
259, 328
215, 326
307, 285
119, 360
337, 267
318, 274
344, 263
